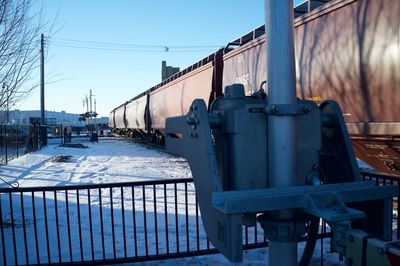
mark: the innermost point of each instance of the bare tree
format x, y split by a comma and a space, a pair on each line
20, 28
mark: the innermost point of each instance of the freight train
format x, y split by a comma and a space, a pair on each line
346, 50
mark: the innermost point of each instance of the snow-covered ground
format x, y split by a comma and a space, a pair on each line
109, 161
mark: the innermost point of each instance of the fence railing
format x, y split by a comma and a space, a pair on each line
16, 140
13, 142
109, 223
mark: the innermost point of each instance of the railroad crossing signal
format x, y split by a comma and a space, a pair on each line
87, 115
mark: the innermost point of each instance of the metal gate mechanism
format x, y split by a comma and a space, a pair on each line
227, 148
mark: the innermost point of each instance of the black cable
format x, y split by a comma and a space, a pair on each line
95, 43
131, 50
312, 237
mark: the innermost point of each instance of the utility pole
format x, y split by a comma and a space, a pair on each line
91, 114
42, 130
95, 123
90, 96
91, 109
42, 121
87, 109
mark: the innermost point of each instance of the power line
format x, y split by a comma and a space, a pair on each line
102, 48
152, 50
102, 43
73, 43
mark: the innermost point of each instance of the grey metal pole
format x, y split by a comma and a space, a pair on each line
90, 97
95, 122
42, 79
281, 129
87, 110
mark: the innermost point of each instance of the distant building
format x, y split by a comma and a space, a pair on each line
167, 71
17, 117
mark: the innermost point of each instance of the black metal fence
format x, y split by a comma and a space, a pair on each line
13, 142
109, 223
16, 140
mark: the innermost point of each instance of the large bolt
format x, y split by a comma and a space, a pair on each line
307, 109
274, 109
191, 121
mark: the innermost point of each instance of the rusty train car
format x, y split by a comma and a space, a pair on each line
346, 50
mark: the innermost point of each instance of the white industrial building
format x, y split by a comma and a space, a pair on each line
17, 117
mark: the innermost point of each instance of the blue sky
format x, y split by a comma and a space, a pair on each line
117, 76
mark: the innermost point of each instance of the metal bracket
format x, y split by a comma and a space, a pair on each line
222, 211
330, 207
304, 198
288, 109
195, 144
